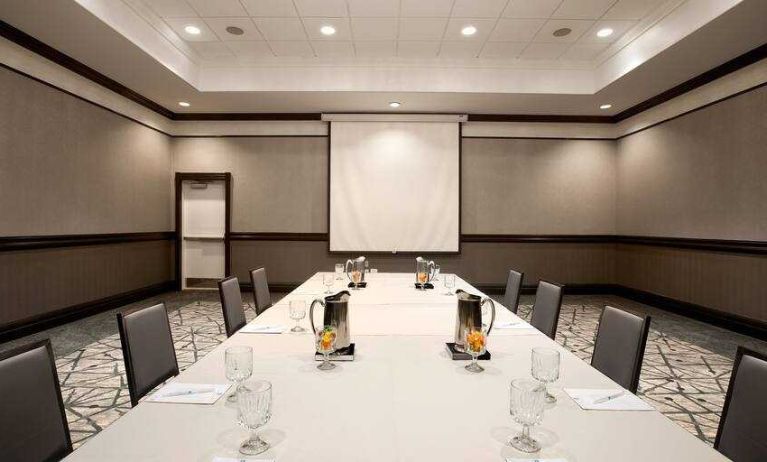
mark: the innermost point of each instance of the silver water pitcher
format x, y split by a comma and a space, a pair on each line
424, 270
469, 315
336, 315
355, 270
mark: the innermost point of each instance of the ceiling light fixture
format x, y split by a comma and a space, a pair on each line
606, 32
234, 30
194, 30
183, 104
562, 32
395, 104
469, 30
328, 30
605, 106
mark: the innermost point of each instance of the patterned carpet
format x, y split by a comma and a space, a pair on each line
682, 375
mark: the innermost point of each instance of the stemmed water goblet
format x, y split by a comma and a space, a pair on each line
475, 343
339, 271
436, 273
449, 283
239, 367
297, 313
545, 369
327, 279
254, 406
326, 344
527, 399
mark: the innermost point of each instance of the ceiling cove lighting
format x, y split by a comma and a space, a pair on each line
606, 32
395, 104
469, 30
605, 106
328, 30
183, 104
193, 30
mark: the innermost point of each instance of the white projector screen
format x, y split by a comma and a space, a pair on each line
394, 186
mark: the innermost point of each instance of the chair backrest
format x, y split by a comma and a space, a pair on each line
261, 297
548, 303
513, 288
741, 435
148, 351
231, 304
619, 346
33, 425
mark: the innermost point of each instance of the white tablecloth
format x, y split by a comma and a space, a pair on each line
401, 399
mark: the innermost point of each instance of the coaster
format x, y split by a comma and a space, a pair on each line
344, 354
428, 285
461, 356
361, 285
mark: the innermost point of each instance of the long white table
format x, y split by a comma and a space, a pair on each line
402, 399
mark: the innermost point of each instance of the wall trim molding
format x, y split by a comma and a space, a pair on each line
71, 313
540, 238
272, 236
13, 243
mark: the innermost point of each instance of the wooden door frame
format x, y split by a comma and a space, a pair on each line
226, 177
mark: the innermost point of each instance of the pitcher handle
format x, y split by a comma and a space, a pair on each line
492, 311
348, 266
430, 268
311, 312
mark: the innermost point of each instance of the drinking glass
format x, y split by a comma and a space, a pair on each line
545, 369
356, 278
475, 343
327, 279
436, 273
239, 366
339, 271
297, 313
254, 406
449, 283
326, 344
526, 406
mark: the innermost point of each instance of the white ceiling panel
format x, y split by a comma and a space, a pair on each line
631, 9
502, 50
374, 28
292, 48
516, 30
322, 8
531, 9
374, 8
313, 26
478, 8
619, 28
544, 50
459, 49
211, 50
380, 49
584, 51
219, 25
578, 28
221, 8
178, 24
250, 50
418, 49
328, 49
426, 8
422, 28
171, 8
270, 8
484, 28
281, 28
583, 9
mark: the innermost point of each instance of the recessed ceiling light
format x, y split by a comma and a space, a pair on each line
234, 30
328, 30
395, 104
562, 32
183, 104
469, 30
605, 106
606, 32
194, 30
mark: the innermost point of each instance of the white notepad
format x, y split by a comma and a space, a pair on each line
511, 459
256, 329
586, 397
190, 393
512, 325
233, 459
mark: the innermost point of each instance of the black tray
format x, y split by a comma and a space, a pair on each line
461, 356
361, 285
428, 285
344, 354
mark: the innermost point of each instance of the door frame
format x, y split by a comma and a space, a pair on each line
226, 177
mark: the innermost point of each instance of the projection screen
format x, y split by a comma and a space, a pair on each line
394, 186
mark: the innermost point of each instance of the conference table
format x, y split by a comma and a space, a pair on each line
402, 398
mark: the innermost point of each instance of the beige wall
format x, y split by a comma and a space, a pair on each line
702, 175
537, 186
279, 184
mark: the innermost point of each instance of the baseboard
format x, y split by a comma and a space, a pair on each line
72, 313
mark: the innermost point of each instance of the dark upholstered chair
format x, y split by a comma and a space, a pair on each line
548, 303
742, 434
33, 425
148, 351
261, 296
231, 304
513, 289
619, 346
